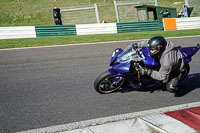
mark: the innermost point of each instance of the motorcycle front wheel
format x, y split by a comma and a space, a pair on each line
105, 83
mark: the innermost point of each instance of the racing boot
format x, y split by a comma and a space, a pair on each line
173, 83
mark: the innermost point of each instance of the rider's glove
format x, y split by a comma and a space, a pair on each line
145, 71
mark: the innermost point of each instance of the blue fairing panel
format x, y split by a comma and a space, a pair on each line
122, 68
187, 52
112, 71
150, 61
115, 55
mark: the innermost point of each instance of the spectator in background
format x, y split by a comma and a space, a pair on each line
180, 14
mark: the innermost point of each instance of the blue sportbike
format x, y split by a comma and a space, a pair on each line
124, 68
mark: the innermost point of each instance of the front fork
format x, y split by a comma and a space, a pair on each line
117, 80
136, 66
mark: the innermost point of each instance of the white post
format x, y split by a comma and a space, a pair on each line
156, 2
116, 10
19, 3
97, 14
186, 2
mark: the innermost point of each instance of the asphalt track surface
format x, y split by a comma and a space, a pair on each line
42, 87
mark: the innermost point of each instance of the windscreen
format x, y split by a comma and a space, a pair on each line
128, 54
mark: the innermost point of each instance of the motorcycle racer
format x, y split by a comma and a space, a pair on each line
171, 61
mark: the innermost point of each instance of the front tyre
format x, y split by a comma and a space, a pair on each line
105, 83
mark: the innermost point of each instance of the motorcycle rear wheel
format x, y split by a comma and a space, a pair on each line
185, 72
105, 84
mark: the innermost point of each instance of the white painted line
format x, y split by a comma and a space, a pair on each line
66, 45
93, 43
105, 120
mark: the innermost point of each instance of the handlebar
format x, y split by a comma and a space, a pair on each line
135, 47
142, 55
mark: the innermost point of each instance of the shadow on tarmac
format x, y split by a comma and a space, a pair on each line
190, 83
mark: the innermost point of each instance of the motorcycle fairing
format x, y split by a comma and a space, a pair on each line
147, 59
129, 76
115, 55
122, 67
187, 52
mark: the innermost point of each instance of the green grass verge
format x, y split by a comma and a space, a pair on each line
47, 41
40, 12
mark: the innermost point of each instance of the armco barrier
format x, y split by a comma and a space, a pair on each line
106, 28
187, 23
17, 32
79, 29
181, 23
87, 29
169, 23
60, 30
139, 26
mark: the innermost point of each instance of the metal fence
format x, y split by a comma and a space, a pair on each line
82, 15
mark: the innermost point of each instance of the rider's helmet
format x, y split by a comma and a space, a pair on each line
156, 45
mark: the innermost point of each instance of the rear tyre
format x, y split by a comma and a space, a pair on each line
185, 72
105, 84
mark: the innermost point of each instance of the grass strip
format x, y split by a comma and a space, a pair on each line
47, 41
